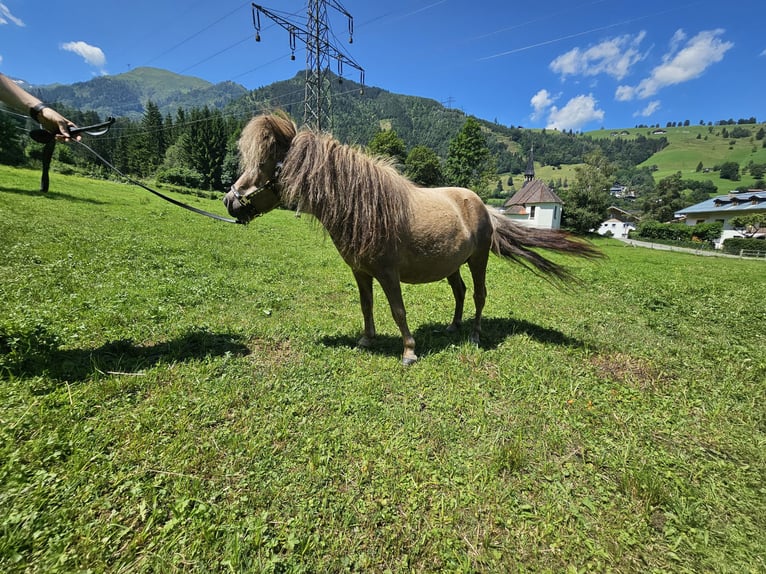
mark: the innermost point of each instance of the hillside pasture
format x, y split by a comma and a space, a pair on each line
686, 150
179, 394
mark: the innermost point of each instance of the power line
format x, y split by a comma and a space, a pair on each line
319, 52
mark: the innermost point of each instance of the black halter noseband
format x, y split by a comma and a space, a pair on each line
240, 204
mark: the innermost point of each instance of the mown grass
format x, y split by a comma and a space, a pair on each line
180, 394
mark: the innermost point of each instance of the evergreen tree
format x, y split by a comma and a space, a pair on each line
153, 135
205, 146
11, 147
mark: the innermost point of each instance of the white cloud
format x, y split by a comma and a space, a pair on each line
680, 65
91, 54
6, 16
540, 102
577, 112
763, 53
614, 57
650, 108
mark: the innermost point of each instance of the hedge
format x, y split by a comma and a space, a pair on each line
702, 232
734, 245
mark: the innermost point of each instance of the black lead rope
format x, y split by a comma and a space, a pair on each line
155, 192
49, 139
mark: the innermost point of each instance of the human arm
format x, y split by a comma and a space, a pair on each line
21, 101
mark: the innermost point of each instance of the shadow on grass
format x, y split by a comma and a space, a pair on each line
37, 353
433, 337
52, 195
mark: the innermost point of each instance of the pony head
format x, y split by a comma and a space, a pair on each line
262, 147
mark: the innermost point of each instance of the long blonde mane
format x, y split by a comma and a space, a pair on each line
360, 200
264, 138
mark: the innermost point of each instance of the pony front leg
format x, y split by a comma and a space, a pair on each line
393, 290
364, 283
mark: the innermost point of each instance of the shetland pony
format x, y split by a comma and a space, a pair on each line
384, 226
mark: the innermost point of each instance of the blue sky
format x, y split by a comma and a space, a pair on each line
564, 64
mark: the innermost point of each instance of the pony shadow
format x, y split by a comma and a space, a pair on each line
433, 337
39, 355
51, 195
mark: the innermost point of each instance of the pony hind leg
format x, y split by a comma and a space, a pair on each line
458, 290
477, 263
364, 283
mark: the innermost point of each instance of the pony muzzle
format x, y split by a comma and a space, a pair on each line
251, 204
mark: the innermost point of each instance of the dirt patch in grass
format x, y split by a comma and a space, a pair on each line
627, 370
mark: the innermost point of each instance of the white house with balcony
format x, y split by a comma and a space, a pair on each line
722, 209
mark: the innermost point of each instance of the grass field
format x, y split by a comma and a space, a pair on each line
179, 394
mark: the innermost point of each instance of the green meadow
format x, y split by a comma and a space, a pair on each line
688, 146
182, 395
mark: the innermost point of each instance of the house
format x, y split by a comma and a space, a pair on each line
618, 190
535, 204
619, 224
722, 209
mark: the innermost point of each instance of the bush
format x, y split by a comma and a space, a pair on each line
709, 232
180, 176
734, 245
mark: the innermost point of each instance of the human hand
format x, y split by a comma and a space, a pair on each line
55, 123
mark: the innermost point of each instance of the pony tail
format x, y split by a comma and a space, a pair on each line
515, 242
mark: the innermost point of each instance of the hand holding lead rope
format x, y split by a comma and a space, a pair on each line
48, 138
44, 136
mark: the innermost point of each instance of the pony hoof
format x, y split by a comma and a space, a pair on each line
474, 339
452, 328
407, 361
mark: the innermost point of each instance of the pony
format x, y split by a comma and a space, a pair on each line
383, 225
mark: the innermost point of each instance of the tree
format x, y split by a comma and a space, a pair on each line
424, 167
587, 199
388, 143
204, 146
748, 225
153, 135
757, 170
729, 170
11, 148
469, 161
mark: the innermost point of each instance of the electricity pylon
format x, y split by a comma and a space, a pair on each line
319, 53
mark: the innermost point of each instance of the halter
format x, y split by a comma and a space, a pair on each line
244, 199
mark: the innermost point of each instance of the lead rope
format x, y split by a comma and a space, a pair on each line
155, 192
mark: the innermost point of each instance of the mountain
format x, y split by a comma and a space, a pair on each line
360, 111
126, 94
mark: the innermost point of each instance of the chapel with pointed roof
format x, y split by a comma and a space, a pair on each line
535, 204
